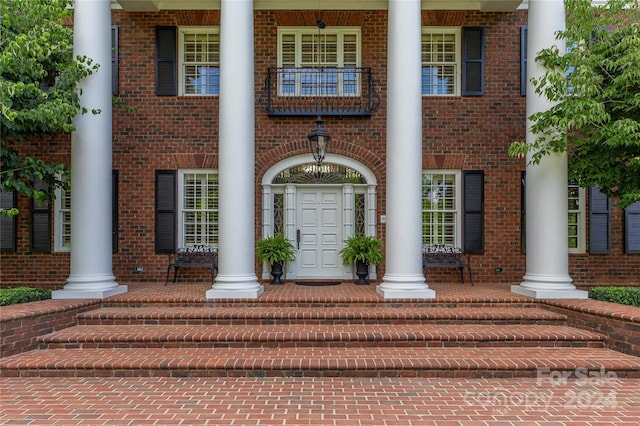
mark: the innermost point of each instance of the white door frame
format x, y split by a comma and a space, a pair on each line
290, 205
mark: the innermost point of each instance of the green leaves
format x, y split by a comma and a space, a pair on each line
12, 296
595, 91
365, 248
623, 295
275, 249
38, 89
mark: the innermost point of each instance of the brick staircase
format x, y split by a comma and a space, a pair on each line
319, 339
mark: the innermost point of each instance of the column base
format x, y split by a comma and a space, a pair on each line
235, 287
549, 293
541, 286
405, 287
89, 294
90, 286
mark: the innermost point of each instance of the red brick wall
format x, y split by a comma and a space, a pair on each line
175, 132
22, 324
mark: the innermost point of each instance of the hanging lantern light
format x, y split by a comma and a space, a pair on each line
319, 139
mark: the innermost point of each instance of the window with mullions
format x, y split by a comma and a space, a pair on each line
199, 61
199, 208
575, 197
576, 217
62, 216
440, 204
440, 61
319, 64
63, 220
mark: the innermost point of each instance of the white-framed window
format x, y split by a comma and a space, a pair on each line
198, 207
576, 217
441, 204
62, 215
319, 63
199, 60
441, 61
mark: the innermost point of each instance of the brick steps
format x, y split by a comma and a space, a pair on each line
268, 315
329, 340
319, 362
281, 336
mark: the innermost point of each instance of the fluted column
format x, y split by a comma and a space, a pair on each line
236, 263
91, 252
404, 277
547, 274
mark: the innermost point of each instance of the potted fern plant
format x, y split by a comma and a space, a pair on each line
363, 250
276, 250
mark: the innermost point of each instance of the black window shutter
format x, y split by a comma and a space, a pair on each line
114, 61
632, 228
7, 224
166, 64
523, 61
114, 211
473, 227
40, 222
473, 61
165, 211
599, 222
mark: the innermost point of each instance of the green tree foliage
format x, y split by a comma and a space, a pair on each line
595, 88
38, 88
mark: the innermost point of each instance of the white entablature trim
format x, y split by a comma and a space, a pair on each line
154, 5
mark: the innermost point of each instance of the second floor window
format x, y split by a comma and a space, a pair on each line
440, 61
319, 62
199, 61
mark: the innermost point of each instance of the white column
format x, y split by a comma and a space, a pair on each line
547, 274
403, 277
91, 257
237, 276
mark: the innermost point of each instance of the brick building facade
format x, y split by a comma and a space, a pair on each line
174, 133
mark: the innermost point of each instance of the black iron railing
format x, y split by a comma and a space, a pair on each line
324, 91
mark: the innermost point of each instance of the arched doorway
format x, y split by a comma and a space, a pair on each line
316, 208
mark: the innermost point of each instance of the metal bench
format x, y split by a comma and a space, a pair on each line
441, 256
193, 257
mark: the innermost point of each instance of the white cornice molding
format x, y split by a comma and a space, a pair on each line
155, 5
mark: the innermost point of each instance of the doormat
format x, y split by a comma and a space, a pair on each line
317, 283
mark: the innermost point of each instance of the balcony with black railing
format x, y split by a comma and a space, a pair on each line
319, 91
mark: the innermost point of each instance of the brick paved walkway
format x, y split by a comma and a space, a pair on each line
547, 400
352, 401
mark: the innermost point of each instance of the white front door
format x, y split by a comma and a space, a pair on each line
319, 226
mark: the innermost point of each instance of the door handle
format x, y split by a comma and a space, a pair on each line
298, 238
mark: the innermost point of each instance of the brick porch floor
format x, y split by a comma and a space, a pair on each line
600, 398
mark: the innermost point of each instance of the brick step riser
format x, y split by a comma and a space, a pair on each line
293, 321
330, 373
306, 304
332, 344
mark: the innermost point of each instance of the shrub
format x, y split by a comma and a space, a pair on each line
622, 295
12, 296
